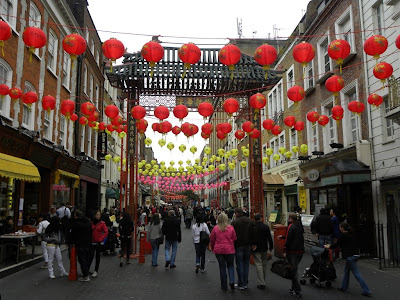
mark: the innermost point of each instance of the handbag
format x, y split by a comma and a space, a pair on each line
204, 238
159, 241
283, 268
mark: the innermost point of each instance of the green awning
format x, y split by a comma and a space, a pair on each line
116, 193
110, 193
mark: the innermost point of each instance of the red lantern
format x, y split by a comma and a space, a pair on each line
83, 121
180, 111
221, 135
375, 45
110, 127
67, 108
289, 121
248, 126
225, 127
29, 98
356, 107
34, 38
276, 130
141, 125
375, 100
334, 84
102, 126
299, 126
398, 42
303, 53
257, 101
74, 45
176, 130
255, 134
48, 103
383, 71
156, 127
5, 34
313, 116
195, 129
230, 106
268, 124
207, 128
239, 134
296, 93
205, 135
229, 55
113, 49
119, 128
111, 111
152, 52
94, 116
161, 112
337, 112
205, 109
165, 127
74, 117
15, 93
265, 55
338, 50
4, 90
117, 121
323, 120
189, 54
87, 108
138, 112
185, 128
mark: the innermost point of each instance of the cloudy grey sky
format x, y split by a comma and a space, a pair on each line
177, 22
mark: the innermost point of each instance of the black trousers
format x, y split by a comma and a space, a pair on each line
83, 259
95, 248
126, 247
294, 259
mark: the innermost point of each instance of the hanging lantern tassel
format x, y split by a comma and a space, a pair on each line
2, 47
340, 63
31, 51
265, 69
185, 68
231, 68
152, 65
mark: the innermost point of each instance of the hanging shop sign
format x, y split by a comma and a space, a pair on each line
313, 175
302, 197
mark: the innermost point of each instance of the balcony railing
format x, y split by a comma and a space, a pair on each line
393, 112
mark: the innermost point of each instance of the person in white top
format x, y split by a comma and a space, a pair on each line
63, 211
40, 230
200, 247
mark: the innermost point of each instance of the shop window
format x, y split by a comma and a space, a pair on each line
31, 199
62, 191
6, 204
8, 10
6, 73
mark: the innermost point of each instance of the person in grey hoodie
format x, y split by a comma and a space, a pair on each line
155, 233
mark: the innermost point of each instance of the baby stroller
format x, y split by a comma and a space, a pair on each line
109, 246
321, 269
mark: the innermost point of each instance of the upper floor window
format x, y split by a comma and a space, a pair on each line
377, 11
28, 111
87, 34
85, 76
324, 61
345, 28
96, 101
309, 80
290, 79
92, 46
275, 101
91, 83
97, 57
35, 17
8, 9
66, 77
6, 74
46, 124
312, 136
330, 129
293, 138
388, 123
62, 139
52, 46
351, 121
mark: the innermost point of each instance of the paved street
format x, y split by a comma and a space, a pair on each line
141, 281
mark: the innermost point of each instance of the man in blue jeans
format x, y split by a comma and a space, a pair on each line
245, 229
172, 231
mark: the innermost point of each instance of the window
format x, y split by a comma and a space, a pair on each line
83, 138
324, 61
92, 46
96, 101
290, 77
34, 19
274, 147
98, 57
378, 17
8, 9
91, 87
52, 51
66, 70
351, 121
345, 29
87, 35
389, 124
312, 135
89, 142
275, 102
85, 75
28, 111
330, 129
6, 73
293, 138
62, 139
46, 124
309, 81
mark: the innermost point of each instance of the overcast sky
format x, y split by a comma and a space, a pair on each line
178, 22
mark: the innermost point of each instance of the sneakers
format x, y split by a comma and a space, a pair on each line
84, 279
52, 276
167, 264
44, 266
172, 267
297, 295
242, 288
261, 287
202, 270
64, 274
366, 294
197, 268
128, 262
232, 286
94, 274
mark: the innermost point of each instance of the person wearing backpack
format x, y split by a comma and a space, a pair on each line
200, 245
54, 237
99, 235
40, 230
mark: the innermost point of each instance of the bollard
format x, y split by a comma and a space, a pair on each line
142, 247
73, 272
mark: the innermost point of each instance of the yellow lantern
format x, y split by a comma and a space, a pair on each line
193, 149
218, 159
288, 154
180, 163
116, 159
122, 134
304, 148
211, 167
150, 173
203, 163
178, 174
153, 162
171, 162
243, 148
282, 150
119, 169
163, 174
207, 150
243, 164
107, 157
182, 148
170, 146
197, 161
295, 149
140, 165
246, 152
231, 166
276, 157
148, 166
269, 151
173, 174
183, 173
145, 172
162, 163
222, 167
211, 160
188, 162
148, 141
168, 174
143, 162
181, 169
162, 142
234, 152
214, 157
221, 152
205, 159
265, 159
228, 153
124, 161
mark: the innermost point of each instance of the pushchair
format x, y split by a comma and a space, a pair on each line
109, 246
321, 269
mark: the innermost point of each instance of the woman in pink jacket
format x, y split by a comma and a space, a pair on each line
223, 238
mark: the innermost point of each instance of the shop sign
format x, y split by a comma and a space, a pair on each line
330, 180
273, 216
356, 177
302, 197
102, 145
313, 175
13, 146
291, 189
292, 172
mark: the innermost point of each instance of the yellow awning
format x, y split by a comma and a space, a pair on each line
66, 174
18, 168
273, 179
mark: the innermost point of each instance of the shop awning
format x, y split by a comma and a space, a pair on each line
273, 179
18, 168
60, 172
110, 193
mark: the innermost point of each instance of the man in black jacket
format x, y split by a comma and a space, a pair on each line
261, 251
81, 237
246, 237
293, 250
172, 230
324, 228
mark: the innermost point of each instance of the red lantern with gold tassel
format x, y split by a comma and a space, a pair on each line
257, 101
73, 117
303, 53
189, 54
398, 41
375, 100
383, 71
323, 120
221, 135
248, 126
87, 108
102, 126
83, 121
207, 128
276, 130
334, 84
296, 93
15, 93
48, 103
111, 111
356, 107
180, 111
34, 38
339, 50
230, 55
299, 126
289, 121
67, 108
175, 130
205, 109
4, 90
138, 112
5, 34
161, 112
152, 52
29, 98
205, 135
265, 55
312, 116
240, 134
375, 45
255, 134
230, 106
141, 126
268, 124
337, 112
74, 45
113, 49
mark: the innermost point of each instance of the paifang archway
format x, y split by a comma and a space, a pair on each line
208, 79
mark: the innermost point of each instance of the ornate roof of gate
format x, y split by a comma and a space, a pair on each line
207, 78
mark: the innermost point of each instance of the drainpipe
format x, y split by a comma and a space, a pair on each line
78, 94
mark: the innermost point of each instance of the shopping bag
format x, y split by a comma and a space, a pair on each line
283, 268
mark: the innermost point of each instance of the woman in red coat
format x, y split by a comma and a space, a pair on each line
99, 235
